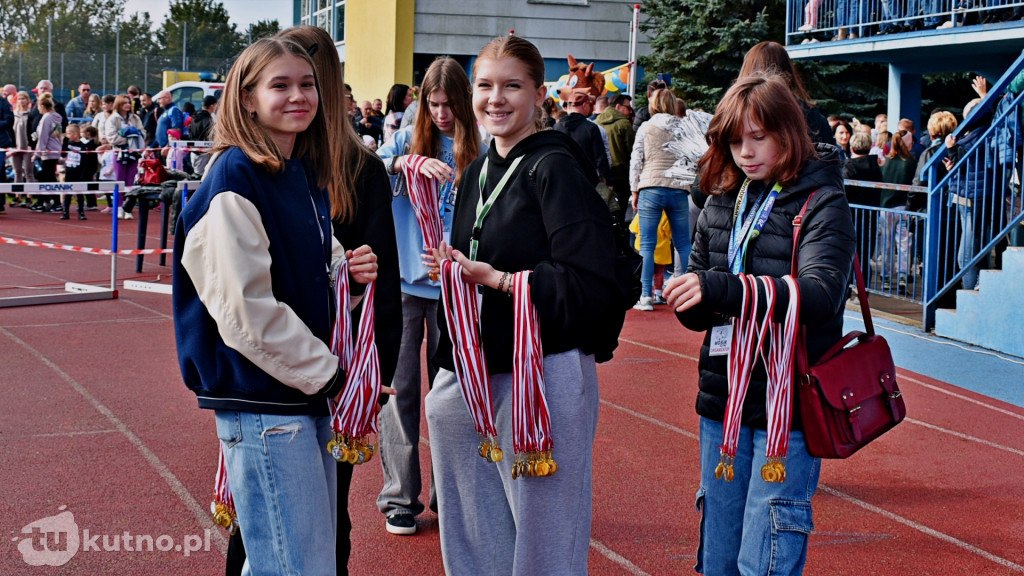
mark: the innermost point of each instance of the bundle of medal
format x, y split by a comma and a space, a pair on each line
531, 424
353, 417
223, 505
424, 194
746, 346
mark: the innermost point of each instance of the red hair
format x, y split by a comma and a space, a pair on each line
771, 105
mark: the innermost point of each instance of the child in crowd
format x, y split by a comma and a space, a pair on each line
662, 254
79, 164
175, 156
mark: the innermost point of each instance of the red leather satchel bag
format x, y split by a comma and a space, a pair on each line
849, 396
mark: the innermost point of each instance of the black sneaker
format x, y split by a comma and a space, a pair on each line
401, 524
81, 215
64, 216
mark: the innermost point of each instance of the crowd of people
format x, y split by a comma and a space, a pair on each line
852, 19
94, 137
530, 193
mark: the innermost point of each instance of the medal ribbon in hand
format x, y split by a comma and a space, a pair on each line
223, 505
743, 352
531, 421
423, 193
354, 416
779, 365
463, 319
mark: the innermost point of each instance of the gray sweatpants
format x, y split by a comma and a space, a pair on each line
494, 525
400, 417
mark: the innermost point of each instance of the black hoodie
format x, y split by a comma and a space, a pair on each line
827, 245
588, 136
553, 224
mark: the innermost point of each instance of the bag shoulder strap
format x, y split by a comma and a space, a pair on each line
862, 293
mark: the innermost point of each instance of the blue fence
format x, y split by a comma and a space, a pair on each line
816, 20
974, 193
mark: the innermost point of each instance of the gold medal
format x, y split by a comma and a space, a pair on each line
729, 473
496, 454
768, 473
434, 274
330, 446
720, 470
780, 470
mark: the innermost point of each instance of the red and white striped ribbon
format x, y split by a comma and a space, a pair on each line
743, 352
463, 319
779, 365
83, 250
223, 505
531, 422
354, 416
423, 193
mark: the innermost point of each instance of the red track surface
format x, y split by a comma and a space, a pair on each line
93, 416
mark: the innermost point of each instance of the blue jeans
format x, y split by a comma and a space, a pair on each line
968, 246
851, 13
285, 488
748, 526
651, 203
925, 8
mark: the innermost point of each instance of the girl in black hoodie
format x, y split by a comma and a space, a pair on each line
545, 218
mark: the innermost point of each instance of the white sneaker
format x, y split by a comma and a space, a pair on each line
946, 25
645, 304
122, 215
806, 28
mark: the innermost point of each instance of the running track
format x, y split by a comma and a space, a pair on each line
93, 417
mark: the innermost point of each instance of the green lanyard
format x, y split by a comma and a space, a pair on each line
482, 208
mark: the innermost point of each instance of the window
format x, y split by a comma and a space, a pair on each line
567, 2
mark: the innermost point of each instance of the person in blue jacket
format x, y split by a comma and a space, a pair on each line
444, 131
254, 268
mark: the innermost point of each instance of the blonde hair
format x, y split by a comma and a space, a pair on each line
941, 124
45, 101
28, 99
662, 101
347, 153
236, 127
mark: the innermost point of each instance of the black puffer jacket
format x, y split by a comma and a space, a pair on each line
826, 260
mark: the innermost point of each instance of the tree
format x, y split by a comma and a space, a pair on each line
701, 43
261, 29
209, 31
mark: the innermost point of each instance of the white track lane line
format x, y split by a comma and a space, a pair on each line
201, 512
870, 507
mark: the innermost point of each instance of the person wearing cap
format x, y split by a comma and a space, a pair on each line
577, 126
34, 115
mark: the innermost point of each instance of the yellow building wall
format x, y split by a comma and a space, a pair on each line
378, 46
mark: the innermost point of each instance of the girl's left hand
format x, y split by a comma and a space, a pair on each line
476, 272
362, 264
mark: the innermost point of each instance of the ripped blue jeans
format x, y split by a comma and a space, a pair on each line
285, 488
749, 527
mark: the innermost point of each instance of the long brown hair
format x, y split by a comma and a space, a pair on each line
899, 147
772, 106
446, 75
236, 128
772, 58
347, 152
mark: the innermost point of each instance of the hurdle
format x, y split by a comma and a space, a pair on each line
183, 187
73, 292
188, 145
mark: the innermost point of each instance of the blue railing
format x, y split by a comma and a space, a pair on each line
816, 20
890, 241
974, 206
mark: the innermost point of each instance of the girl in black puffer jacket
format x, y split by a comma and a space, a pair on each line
760, 162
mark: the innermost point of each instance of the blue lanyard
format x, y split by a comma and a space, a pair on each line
446, 193
753, 224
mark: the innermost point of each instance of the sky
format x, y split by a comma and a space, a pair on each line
241, 12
